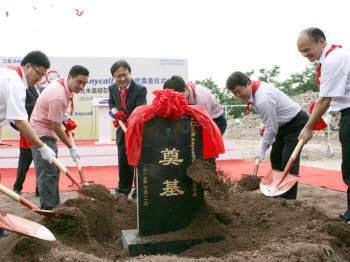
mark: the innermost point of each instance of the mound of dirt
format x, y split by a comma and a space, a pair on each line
205, 174
255, 227
250, 182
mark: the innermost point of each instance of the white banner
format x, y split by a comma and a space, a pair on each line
151, 72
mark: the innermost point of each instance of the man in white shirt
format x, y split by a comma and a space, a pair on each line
281, 116
14, 81
333, 77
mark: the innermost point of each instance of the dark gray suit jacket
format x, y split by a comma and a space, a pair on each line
31, 97
135, 97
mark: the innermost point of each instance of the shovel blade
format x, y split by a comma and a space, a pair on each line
49, 213
272, 184
25, 227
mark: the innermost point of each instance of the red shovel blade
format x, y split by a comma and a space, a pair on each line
25, 227
272, 184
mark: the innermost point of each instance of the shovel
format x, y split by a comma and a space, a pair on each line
121, 124
25, 227
256, 165
30, 205
80, 168
255, 171
66, 172
276, 182
75, 184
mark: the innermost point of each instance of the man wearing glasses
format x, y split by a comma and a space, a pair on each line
14, 81
124, 96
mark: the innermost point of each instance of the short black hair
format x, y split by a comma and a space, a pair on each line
176, 83
235, 79
314, 33
36, 58
120, 63
78, 70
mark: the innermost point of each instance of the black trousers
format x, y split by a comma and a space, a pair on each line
344, 137
24, 161
126, 172
222, 124
282, 148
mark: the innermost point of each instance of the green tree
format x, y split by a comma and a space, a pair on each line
295, 84
224, 96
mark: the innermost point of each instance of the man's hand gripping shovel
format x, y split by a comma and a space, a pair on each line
80, 168
276, 182
121, 124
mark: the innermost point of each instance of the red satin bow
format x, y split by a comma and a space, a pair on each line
70, 125
121, 116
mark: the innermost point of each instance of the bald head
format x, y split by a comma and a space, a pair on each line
311, 42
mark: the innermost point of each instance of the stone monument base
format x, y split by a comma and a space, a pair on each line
150, 245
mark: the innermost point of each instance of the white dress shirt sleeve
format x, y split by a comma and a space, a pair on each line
16, 101
334, 74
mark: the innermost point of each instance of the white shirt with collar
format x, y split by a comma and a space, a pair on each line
275, 109
12, 96
335, 77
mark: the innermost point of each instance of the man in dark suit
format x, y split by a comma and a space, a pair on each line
25, 155
124, 96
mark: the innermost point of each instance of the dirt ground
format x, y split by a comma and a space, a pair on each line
256, 228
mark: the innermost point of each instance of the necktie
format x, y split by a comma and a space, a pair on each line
255, 87
123, 98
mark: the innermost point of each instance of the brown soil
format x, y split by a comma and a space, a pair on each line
249, 182
256, 228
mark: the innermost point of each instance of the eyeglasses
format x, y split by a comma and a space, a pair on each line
37, 71
125, 75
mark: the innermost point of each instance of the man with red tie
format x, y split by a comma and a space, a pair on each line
124, 96
14, 81
333, 80
281, 116
46, 120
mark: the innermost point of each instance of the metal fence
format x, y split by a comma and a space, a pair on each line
327, 118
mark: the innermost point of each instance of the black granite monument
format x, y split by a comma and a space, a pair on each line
167, 197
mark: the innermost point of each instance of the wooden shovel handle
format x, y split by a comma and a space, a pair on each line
65, 171
291, 160
256, 167
297, 150
77, 161
10, 193
18, 198
122, 126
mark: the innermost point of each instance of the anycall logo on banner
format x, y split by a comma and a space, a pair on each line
50, 76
